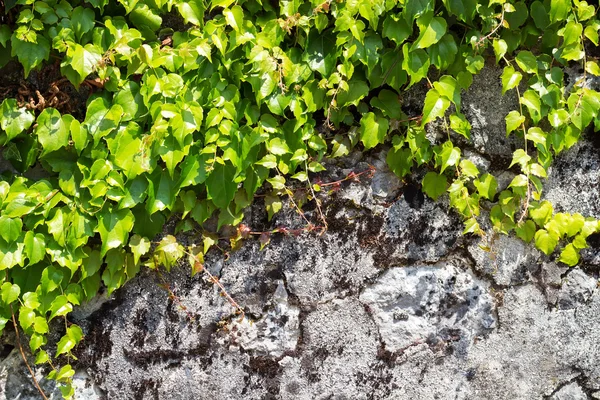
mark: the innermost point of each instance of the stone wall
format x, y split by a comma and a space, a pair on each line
392, 302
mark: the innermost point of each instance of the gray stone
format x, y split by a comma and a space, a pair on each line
573, 183
485, 108
420, 303
508, 261
572, 391
577, 288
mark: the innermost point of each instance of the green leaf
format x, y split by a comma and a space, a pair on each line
357, 89
559, 10
435, 106
10, 228
320, 53
486, 186
460, 125
396, 29
15, 119
447, 156
415, 63
541, 213
53, 130
431, 29
35, 247
520, 157
30, 54
540, 15
400, 161
373, 130
514, 120
273, 205
510, 78
114, 227
468, 169
569, 255
500, 48
558, 118
532, 101
434, 185
389, 103
9, 292
545, 241
143, 16
139, 246
527, 62
26, 317
192, 11
60, 306
443, 53
234, 17
526, 230
221, 186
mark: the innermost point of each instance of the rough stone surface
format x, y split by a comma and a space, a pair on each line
571, 391
392, 302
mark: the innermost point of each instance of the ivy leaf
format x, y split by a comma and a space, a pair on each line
434, 185
460, 125
35, 247
10, 228
541, 213
431, 29
396, 29
373, 130
114, 227
486, 186
500, 48
320, 53
526, 230
559, 10
15, 119
357, 89
514, 120
82, 21
388, 102
415, 63
558, 118
220, 185
234, 17
192, 11
10, 292
532, 101
139, 246
569, 255
443, 53
447, 156
53, 130
527, 62
60, 306
510, 78
540, 15
545, 241
435, 106
30, 54
400, 161
71, 338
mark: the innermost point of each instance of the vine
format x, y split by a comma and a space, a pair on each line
196, 107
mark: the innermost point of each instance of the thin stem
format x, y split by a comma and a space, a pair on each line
35, 382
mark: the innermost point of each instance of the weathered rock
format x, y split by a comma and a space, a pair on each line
572, 391
393, 302
577, 288
573, 183
508, 261
432, 304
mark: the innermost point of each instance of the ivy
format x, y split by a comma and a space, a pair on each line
195, 118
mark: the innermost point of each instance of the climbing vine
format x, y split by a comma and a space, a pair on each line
192, 107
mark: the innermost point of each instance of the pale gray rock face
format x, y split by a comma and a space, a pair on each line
573, 184
392, 302
572, 391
